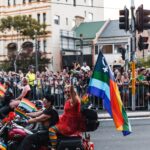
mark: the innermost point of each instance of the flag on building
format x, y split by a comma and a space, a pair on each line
102, 84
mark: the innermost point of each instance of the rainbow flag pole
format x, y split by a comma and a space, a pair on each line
102, 84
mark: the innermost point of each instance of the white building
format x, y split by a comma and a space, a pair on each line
58, 14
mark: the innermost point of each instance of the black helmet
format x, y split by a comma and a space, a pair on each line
50, 98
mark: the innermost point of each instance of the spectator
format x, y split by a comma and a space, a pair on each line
31, 78
24, 94
85, 67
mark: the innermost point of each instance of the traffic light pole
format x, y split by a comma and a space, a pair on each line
133, 49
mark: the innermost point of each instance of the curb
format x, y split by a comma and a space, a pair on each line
130, 115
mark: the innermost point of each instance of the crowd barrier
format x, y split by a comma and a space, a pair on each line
141, 99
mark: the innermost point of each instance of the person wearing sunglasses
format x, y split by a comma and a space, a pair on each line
71, 121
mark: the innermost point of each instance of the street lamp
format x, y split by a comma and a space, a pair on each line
81, 47
15, 61
36, 53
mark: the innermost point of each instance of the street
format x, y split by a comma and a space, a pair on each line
107, 138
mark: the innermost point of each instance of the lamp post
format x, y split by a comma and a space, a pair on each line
81, 47
36, 53
133, 49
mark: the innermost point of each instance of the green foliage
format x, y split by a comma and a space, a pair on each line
143, 62
28, 27
24, 61
25, 25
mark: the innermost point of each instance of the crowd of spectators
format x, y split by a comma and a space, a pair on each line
54, 82
124, 81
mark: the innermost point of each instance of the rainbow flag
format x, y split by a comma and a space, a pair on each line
102, 84
2, 90
2, 146
25, 106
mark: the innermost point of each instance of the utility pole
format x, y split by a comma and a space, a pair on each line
81, 47
133, 49
139, 23
36, 53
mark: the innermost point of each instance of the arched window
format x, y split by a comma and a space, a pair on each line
27, 46
12, 47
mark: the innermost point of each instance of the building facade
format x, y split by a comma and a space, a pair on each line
57, 14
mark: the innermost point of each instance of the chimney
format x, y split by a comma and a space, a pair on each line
78, 20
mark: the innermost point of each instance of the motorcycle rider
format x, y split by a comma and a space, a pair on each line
4, 110
47, 117
71, 121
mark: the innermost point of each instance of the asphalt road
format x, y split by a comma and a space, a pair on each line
107, 138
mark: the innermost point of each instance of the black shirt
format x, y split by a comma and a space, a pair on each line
8, 96
54, 115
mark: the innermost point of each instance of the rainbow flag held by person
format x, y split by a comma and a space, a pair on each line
102, 84
25, 106
2, 90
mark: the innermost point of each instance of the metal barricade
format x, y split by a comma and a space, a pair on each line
142, 101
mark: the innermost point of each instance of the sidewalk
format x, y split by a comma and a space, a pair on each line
131, 114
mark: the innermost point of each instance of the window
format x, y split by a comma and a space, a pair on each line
90, 16
14, 2
96, 50
38, 18
57, 19
117, 48
73, 23
24, 1
90, 2
66, 21
107, 49
44, 45
74, 2
8, 2
85, 14
44, 18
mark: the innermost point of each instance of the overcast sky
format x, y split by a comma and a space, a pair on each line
112, 7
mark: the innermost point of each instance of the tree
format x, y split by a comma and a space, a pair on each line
26, 26
143, 62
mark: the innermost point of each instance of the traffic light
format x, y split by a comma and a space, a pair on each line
142, 19
142, 43
124, 19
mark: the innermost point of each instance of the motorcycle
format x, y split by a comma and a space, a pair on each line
11, 134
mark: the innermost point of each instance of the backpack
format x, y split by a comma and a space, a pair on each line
91, 119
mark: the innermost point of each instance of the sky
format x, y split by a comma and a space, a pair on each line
112, 7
